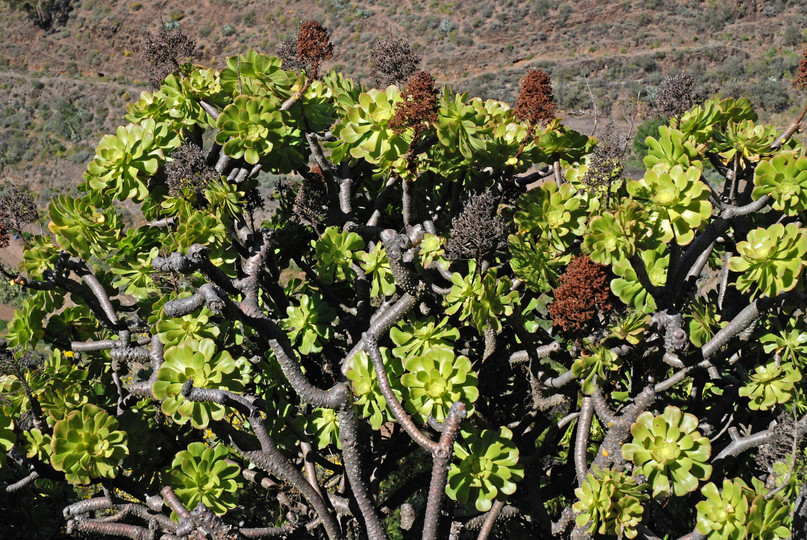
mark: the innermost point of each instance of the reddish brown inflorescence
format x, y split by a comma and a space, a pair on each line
800, 82
419, 108
583, 292
536, 103
313, 44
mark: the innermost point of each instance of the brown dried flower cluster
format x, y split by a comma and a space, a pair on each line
189, 174
583, 292
800, 82
419, 108
162, 53
536, 103
676, 94
393, 62
313, 45
478, 231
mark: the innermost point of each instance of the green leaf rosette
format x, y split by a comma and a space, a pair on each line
86, 444
784, 179
669, 451
609, 502
488, 467
250, 127
771, 384
197, 360
367, 395
309, 325
335, 255
436, 379
770, 260
723, 514
202, 475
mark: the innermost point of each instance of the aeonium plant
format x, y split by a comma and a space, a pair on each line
343, 358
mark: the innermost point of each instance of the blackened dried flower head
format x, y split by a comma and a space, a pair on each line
800, 82
419, 108
17, 208
606, 163
583, 292
313, 45
676, 94
162, 53
536, 103
393, 62
310, 204
287, 52
4, 237
189, 174
478, 231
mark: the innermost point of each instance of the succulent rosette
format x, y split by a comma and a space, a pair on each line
672, 148
770, 260
723, 514
669, 451
553, 212
367, 395
771, 384
194, 327
202, 475
309, 324
784, 179
436, 379
413, 338
250, 127
609, 502
324, 426
86, 444
488, 468
676, 198
335, 254
591, 367
197, 360
616, 235
375, 264
124, 161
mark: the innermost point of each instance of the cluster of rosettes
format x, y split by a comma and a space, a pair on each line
189, 174
583, 292
536, 103
419, 108
393, 62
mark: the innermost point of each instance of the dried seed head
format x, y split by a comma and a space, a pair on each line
583, 292
313, 45
536, 103
800, 82
606, 163
393, 62
676, 94
162, 53
17, 208
419, 108
287, 52
478, 231
189, 174
311, 202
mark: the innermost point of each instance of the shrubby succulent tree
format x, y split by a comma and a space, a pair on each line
463, 312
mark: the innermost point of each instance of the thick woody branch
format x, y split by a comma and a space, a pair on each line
403, 418
541, 351
581, 440
442, 460
490, 519
356, 472
106, 529
611, 448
